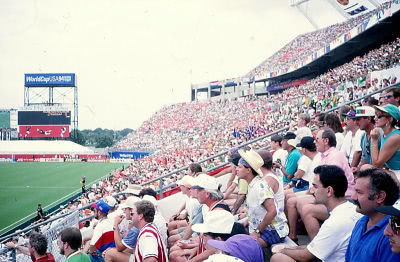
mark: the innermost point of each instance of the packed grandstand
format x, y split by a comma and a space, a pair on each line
184, 134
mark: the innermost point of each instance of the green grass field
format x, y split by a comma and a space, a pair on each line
24, 185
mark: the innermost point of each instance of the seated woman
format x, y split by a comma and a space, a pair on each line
388, 155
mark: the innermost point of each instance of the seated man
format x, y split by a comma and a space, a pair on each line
374, 188
267, 223
330, 244
392, 230
37, 248
124, 247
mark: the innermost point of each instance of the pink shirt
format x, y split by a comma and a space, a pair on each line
332, 156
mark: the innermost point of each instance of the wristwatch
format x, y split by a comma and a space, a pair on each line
257, 231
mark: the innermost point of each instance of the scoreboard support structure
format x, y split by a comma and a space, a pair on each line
55, 89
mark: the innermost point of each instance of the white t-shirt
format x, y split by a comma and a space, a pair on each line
339, 140
330, 244
281, 155
352, 144
308, 166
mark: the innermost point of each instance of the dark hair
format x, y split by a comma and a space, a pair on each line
195, 168
396, 92
267, 158
372, 101
148, 191
277, 138
330, 134
39, 243
332, 176
381, 181
236, 229
333, 121
72, 236
146, 208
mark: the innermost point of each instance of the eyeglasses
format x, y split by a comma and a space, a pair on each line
395, 224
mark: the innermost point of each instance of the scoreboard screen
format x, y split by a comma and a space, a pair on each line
44, 117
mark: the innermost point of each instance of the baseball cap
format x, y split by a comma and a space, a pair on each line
103, 207
186, 181
206, 182
152, 199
289, 135
392, 110
241, 246
351, 114
364, 111
252, 159
306, 142
110, 201
390, 210
129, 202
216, 221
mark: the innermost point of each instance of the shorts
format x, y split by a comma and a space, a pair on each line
271, 237
300, 185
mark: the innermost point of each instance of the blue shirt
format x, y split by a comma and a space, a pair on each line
130, 239
370, 245
366, 148
291, 164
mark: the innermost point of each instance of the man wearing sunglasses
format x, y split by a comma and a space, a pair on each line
392, 96
392, 230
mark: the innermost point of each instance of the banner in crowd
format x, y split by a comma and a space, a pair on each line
386, 74
43, 131
128, 155
355, 8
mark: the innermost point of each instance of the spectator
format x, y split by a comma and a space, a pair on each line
392, 229
149, 243
123, 246
388, 154
392, 96
332, 121
70, 243
103, 236
290, 167
37, 248
312, 213
351, 145
330, 243
365, 118
374, 188
266, 224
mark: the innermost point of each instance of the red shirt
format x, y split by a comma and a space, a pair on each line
48, 258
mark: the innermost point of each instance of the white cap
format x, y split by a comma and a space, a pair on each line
129, 202
186, 181
206, 182
133, 189
110, 201
216, 221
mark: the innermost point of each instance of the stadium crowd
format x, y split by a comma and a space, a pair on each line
307, 44
336, 173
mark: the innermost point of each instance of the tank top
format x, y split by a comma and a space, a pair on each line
394, 162
280, 194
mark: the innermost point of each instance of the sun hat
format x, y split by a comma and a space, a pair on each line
252, 159
133, 189
129, 202
186, 181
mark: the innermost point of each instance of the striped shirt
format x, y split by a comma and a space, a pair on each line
150, 244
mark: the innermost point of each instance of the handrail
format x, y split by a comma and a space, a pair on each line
201, 161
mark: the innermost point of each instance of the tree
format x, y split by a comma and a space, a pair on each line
104, 141
78, 137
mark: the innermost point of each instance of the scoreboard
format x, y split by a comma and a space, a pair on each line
44, 117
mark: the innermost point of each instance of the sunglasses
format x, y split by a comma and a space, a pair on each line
380, 116
388, 96
395, 224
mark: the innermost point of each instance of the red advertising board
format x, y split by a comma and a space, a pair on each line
43, 131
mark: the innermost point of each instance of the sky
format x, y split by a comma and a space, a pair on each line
133, 57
